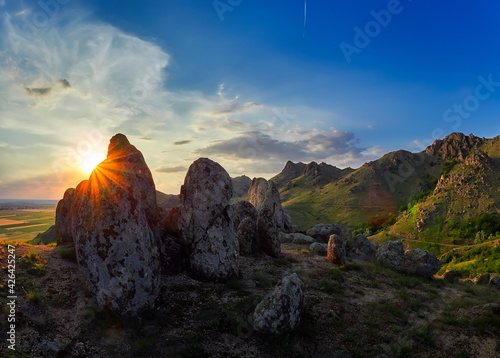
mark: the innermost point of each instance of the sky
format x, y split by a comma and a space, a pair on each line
249, 84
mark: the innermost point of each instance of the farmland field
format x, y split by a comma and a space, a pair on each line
21, 225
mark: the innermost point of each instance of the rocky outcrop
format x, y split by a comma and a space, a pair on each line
113, 220
360, 248
495, 282
322, 232
416, 262
264, 194
455, 145
207, 224
280, 310
241, 185
268, 233
335, 251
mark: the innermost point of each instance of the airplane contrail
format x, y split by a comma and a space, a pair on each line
305, 19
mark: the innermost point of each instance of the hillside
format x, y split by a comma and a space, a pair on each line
437, 192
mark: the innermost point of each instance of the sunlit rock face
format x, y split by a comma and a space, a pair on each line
206, 222
115, 230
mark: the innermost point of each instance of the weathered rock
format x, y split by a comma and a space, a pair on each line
318, 248
207, 224
335, 252
421, 263
64, 217
241, 210
452, 276
484, 279
264, 194
268, 233
280, 310
322, 232
48, 237
359, 247
296, 238
241, 185
114, 224
246, 235
391, 254
495, 282
49, 349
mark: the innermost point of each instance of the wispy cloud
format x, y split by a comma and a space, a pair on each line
177, 169
182, 142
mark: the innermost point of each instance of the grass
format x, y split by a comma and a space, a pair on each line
33, 296
424, 334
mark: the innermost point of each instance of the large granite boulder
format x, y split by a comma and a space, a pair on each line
322, 232
421, 263
114, 221
296, 238
268, 233
318, 248
207, 224
359, 247
335, 252
280, 310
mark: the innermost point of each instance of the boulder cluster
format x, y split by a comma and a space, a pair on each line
124, 240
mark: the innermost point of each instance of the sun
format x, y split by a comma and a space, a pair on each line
90, 161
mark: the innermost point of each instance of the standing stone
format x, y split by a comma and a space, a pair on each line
421, 263
359, 247
264, 194
268, 233
245, 225
280, 310
207, 224
335, 252
391, 254
114, 225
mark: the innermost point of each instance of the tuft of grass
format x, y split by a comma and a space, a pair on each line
329, 286
424, 334
33, 296
33, 256
261, 280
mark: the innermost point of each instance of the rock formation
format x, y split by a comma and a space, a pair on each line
207, 224
241, 185
114, 226
318, 248
63, 223
335, 252
280, 310
268, 233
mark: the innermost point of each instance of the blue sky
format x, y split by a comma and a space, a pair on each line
250, 84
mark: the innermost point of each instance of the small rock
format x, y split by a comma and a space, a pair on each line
318, 248
452, 276
322, 232
391, 254
484, 279
335, 252
495, 282
359, 247
280, 310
